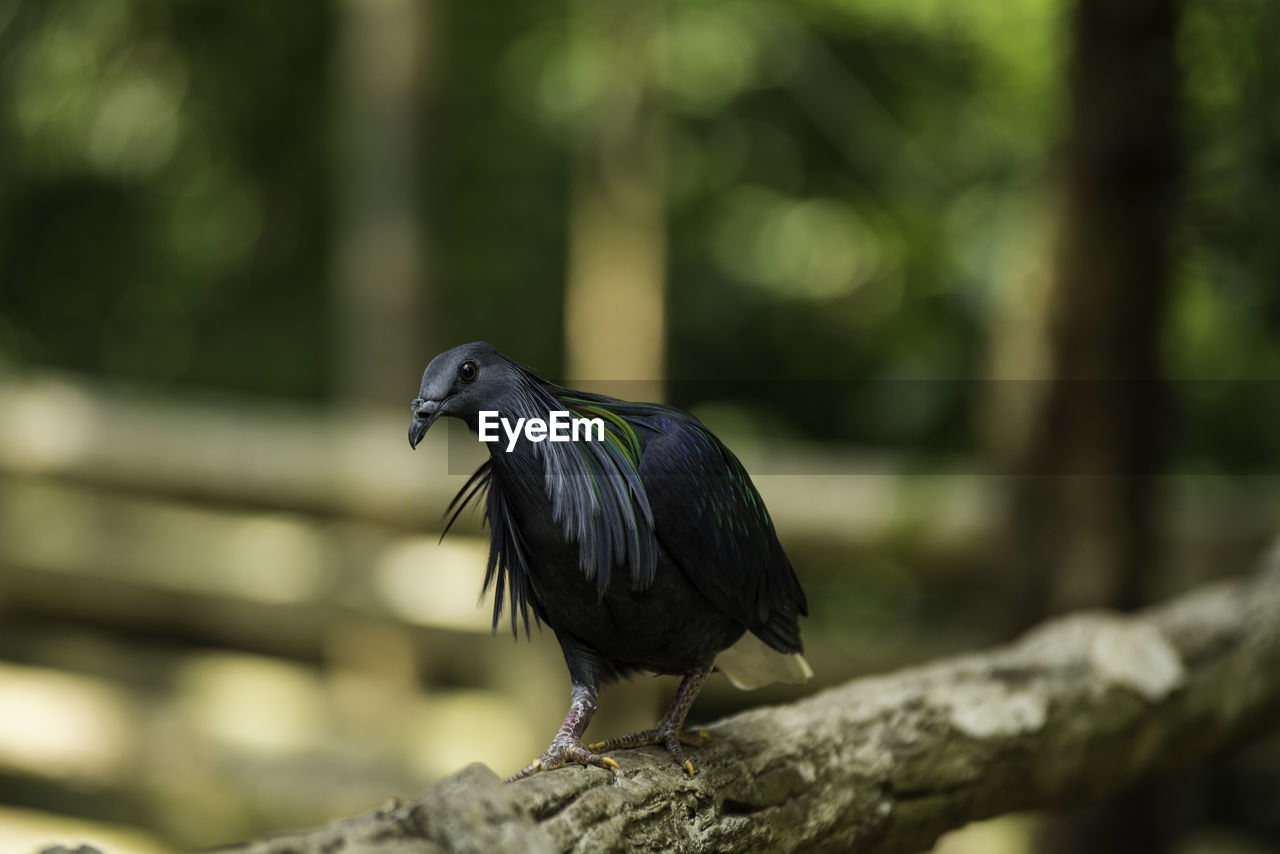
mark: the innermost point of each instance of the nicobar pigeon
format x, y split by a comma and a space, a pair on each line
648, 551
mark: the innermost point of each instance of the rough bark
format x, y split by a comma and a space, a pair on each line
1076, 709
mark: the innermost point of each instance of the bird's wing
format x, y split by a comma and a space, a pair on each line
710, 519
598, 499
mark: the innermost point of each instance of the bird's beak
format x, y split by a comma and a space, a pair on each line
425, 412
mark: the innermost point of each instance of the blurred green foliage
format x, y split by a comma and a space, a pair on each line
163, 209
851, 183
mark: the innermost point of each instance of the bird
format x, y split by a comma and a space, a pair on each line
644, 548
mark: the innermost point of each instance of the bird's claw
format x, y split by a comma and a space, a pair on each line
559, 754
663, 735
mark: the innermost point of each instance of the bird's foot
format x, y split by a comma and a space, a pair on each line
667, 736
560, 753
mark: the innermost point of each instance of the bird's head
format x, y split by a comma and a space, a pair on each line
459, 383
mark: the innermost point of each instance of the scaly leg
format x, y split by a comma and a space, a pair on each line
668, 732
567, 746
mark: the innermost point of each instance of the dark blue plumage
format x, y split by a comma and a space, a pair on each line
650, 550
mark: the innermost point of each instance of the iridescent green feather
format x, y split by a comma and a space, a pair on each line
621, 433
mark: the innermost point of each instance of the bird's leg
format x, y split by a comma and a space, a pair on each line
567, 746
668, 732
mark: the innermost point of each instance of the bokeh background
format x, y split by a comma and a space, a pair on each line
983, 293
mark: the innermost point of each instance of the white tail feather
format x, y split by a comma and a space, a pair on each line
751, 663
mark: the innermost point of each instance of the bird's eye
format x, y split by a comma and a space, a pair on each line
467, 371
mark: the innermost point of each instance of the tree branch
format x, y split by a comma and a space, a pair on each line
1079, 707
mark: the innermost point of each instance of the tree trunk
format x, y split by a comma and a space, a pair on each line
1085, 451
614, 297
384, 332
